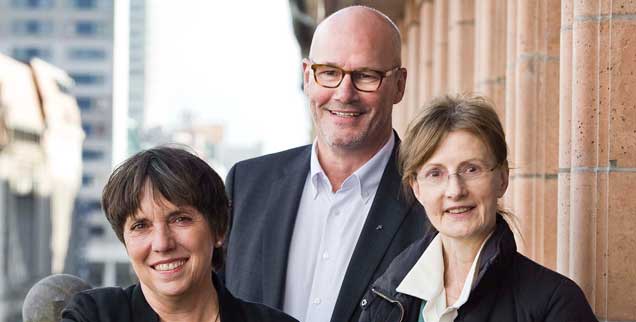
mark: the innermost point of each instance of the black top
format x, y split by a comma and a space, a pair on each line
508, 287
115, 304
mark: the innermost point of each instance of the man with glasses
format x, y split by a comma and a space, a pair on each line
314, 226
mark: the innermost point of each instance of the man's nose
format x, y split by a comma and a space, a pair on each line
346, 91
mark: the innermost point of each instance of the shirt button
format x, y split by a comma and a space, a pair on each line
325, 255
317, 301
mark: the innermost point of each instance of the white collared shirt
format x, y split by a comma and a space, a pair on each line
426, 281
325, 234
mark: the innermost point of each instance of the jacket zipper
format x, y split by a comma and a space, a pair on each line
390, 300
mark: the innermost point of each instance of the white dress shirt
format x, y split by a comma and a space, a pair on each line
325, 234
426, 281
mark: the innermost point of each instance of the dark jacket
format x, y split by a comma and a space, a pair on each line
508, 287
115, 304
265, 195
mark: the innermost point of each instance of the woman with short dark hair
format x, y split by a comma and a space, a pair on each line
454, 161
170, 210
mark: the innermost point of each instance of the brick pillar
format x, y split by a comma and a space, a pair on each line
490, 51
461, 45
565, 138
619, 109
509, 99
527, 78
547, 155
440, 51
412, 62
585, 113
425, 71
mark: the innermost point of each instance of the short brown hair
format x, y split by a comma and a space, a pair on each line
179, 177
446, 114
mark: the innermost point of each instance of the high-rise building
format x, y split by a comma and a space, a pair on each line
136, 73
77, 36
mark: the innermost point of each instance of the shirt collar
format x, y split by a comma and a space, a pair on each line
368, 176
426, 279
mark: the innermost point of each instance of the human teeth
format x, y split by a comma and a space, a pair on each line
458, 210
169, 266
345, 114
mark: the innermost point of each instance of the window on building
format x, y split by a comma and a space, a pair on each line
26, 53
84, 4
85, 103
32, 4
88, 129
86, 54
87, 79
90, 154
89, 28
32, 27
87, 180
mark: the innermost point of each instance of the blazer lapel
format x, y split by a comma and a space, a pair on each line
280, 212
385, 216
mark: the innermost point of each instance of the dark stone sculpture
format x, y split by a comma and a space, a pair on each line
47, 298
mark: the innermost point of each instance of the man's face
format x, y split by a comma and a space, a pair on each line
344, 117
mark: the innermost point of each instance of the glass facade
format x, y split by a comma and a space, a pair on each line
87, 78
32, 4
26, 53
87, 54
32, 27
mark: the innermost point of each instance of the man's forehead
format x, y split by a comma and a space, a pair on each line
358, 37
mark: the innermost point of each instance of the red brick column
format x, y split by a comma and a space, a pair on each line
461, 45
565, 138
412, 62
527, 78
490, 51
615, 235
585, 113
510, 95
440, 51
425, 72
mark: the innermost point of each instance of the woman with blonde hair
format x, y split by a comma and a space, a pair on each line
454, 160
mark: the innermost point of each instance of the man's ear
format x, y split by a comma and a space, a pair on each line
306, 73
401, 85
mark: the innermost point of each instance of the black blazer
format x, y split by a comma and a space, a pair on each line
115, 304
265, 194
508, 287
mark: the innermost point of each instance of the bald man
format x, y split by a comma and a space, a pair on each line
315, 225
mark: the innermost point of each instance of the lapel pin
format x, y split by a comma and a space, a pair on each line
379, 227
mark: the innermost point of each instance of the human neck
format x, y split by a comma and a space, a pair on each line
339, 163
459, 255
197, 306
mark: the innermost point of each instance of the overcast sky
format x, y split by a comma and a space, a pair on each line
231, 62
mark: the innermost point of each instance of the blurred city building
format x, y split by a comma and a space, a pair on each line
40, 175
137, 73
206, 140
77, 36
561, 74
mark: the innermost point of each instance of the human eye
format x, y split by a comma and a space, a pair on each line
471, 170
138, 225
434, 174
181, 219
367, 76
328, 72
